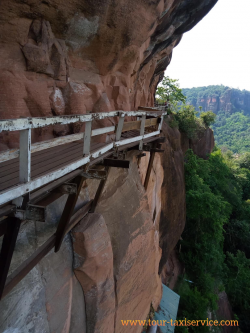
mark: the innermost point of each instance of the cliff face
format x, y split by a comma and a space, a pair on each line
71, 57
219, 98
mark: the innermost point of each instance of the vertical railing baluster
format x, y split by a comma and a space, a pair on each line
87, 138
119, 127
25, 156
160, 123
142, 130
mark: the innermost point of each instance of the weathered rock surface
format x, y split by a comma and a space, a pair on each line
60, 57
202, 146
172, 270
93, 266
225, 312
135, 243
173, 213
225, 99
49, 299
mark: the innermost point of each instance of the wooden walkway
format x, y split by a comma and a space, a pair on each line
43, 162
34, 176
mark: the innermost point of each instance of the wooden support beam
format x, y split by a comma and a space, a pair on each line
67, 213
111, 162
20, 272
8, 245
3, 226
25, 156
15, 277
150, 165
99, 191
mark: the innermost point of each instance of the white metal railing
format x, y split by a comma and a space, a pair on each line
24, 125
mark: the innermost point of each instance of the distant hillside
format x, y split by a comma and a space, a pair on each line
232, 106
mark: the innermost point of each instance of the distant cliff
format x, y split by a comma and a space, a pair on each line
232, 107
219, 98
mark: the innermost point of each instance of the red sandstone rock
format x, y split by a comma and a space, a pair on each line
135, 244
173, 201
118, 49
93, 265
202, 146
225, 312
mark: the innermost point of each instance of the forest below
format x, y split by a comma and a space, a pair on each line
232, 107
215, 245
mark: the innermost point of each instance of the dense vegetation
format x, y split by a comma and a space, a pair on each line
232, 131
216, 240
215, 245
232, 106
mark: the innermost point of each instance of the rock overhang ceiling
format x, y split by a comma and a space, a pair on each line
70, 57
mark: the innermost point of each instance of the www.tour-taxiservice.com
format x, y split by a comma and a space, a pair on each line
184, 322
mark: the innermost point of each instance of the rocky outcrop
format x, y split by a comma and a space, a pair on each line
222, 99
93, 266
49, 298
173, 213
135, 243
225, 312
202, 145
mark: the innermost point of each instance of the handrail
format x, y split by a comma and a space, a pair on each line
24, 125
38, 122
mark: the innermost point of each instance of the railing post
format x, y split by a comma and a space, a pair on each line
25, 156
142, 130
119, 127
160, 123
87, 138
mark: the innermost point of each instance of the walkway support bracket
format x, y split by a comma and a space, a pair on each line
7, 250
99, 191
67, 212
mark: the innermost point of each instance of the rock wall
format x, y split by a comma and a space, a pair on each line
225, 99
71, 57
50, 298
202, 145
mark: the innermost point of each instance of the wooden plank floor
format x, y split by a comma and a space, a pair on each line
48, 160
43, 162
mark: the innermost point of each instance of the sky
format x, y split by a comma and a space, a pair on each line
217, 50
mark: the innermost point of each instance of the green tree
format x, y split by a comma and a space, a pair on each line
169, 91
208, 118
187, 121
